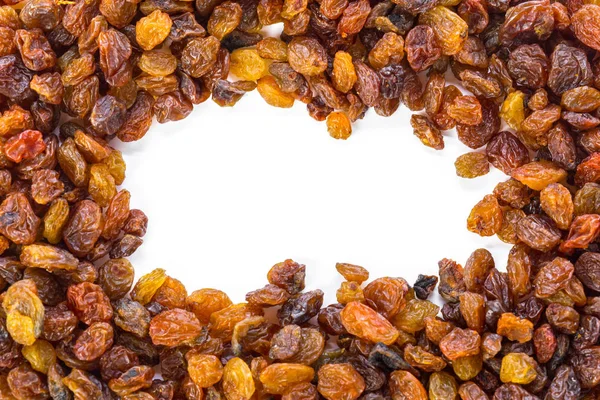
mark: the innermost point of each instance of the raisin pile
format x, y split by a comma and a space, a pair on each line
501, 335
74, 75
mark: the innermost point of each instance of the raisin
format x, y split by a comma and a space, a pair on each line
404, 385
448, 28
538, 174
422, 48
366, 323
269, 90
583, 23
428, 134
279, 378
174, 327
518, 368
340, 381
307, 56
472, 165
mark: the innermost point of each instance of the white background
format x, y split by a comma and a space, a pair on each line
231, 191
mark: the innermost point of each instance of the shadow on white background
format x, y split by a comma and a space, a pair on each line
230, 192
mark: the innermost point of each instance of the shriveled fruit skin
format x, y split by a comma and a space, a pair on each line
528, 66
353, 17
451, 280
349, 292
138, 119
48, 257
157, 63
467, 368
278, 378
486, 217
581, 99
367, 84
340, 381
460, 343
544, 341
585, 365
343, 73
386, 295
153, 29
426, 132
307, 56
442, 386
366, 323
338, 125
288, 275
538, 232
585, 22
102, 186
404, 386
94, 341
204, 302
557, 203
272, 49
199, 55
301, 391
25, 383
553, 276
22, 224
222, 322
470, 391
472, 308
247, 64
269, 90
515, 328
237, 381
24, 146
41, 355
562, 147
563, 318
423, 360
506, 152
527, 22
513, 109
449, 29
424, 286
84, 227
389, 49
205, 370
353, 273
586, 269
583, 231
224, 19
472, 165
412, 318
147, 285
517, 368
539, 174
89, 303
115, 50
569, 69
433, 95
24, 312
422, 48
466, 110
174, 327
330, 321
286, 343
270, 295
564, 385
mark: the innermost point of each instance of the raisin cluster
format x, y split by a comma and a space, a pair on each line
74, 75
